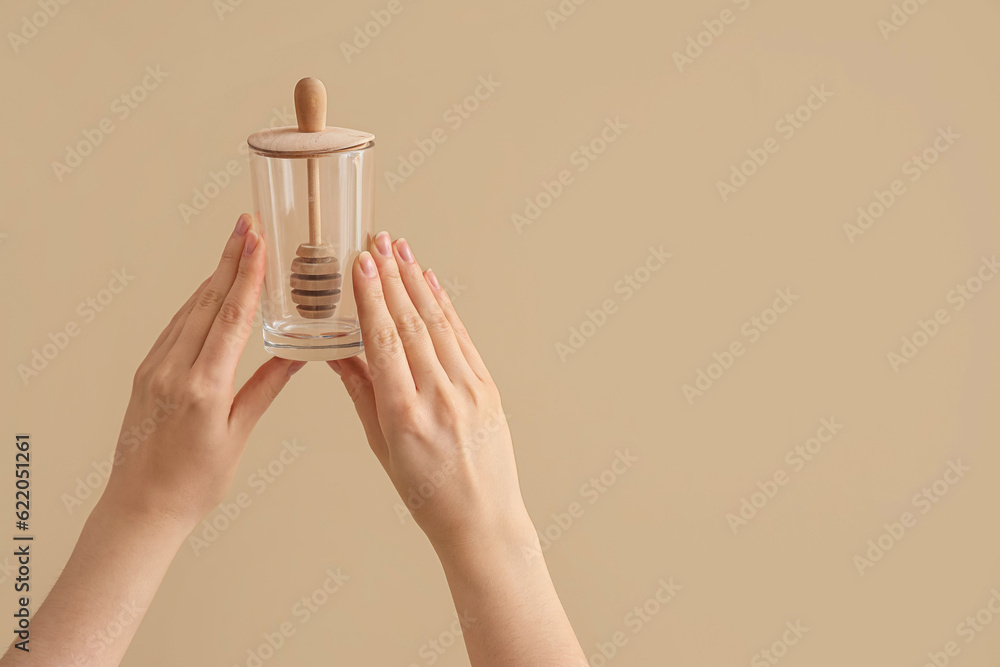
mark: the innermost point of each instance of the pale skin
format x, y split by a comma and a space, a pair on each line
433, 419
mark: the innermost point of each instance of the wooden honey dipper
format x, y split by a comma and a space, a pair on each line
316, 277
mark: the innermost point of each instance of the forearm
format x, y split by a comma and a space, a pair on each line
158, 492
95, 607
511, 613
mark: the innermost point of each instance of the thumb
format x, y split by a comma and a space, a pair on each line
358, 382
260, 391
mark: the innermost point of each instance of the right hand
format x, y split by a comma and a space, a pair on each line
186, 426
429, 407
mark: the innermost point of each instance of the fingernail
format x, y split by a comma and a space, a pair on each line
383, 244
295, 367
432, 279
404, 251
368, 264
250, 244
335, 365
242, 225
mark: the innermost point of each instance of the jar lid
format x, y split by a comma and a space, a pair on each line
312, 136
290, 141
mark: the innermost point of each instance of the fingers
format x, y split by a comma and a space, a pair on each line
358, 382
231, 328
461, 333
260, 391
206, 306
449, 354
417, 344
172, 326
392, 381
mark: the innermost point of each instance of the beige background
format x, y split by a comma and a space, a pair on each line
521, 292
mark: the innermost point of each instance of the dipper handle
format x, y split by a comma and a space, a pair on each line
310, 105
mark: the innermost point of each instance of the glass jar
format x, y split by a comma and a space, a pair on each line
312, 200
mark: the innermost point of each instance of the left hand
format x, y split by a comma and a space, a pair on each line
430, 408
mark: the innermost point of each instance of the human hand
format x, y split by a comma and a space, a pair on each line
185, 426
429, 407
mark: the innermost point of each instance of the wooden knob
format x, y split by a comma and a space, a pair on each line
310, 105
316, 281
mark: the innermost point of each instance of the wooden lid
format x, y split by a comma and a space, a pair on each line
288, 140
311, 136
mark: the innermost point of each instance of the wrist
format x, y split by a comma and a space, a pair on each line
508, 543
120, 513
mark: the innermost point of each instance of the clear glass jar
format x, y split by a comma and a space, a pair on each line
307, 299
